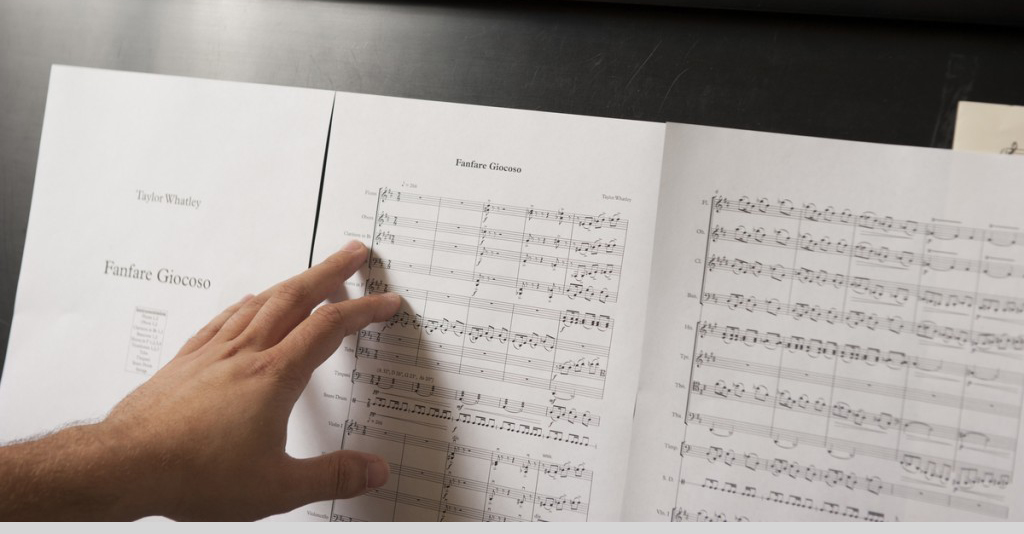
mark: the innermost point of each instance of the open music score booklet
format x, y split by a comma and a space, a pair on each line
610, 320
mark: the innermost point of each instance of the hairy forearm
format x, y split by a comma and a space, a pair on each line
204, 438
77, 473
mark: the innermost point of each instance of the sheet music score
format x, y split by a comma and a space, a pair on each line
504, 388
495, 262
845, 355
950, 420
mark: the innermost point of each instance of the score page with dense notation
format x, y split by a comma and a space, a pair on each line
520, 242
838, 333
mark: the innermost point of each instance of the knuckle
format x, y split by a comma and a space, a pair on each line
278, 370
306, 339
255, 303
332, 315
233, 347
205, 331
285, 379
345, 477
292, 292
266, 364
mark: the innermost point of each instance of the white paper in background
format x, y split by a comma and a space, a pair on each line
989, 128
487, 404
834, 333
210, 180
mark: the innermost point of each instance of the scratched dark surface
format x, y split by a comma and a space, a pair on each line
861, 79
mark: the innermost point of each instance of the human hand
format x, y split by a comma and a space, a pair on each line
205, 437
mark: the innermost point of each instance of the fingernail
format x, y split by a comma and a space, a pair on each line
353, 246
377, 473
394, 298
245, 298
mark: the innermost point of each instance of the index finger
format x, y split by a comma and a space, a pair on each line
289, 302
317, 337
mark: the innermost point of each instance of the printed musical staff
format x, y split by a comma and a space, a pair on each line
568, 318
553, 411
760, 395
832, 342
848, 352
587, 248
896, 292
872, 321
548, 469
882, 255
581, 368
550, 289
932, 468
866, 220
786, 498
474, 333
560, 216
461, 477
837, 478
705, 359
469, 416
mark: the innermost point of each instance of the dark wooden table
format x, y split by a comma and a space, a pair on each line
862, 79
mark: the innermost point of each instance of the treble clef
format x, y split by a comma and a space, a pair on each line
703, 328
718, 232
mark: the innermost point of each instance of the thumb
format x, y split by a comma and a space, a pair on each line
338, 475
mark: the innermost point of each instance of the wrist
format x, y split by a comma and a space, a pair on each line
134, 484
107, 479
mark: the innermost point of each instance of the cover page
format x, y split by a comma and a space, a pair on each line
158, 202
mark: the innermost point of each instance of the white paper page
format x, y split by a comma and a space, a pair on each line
174, 177
504, 390
989, 128
834, 333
